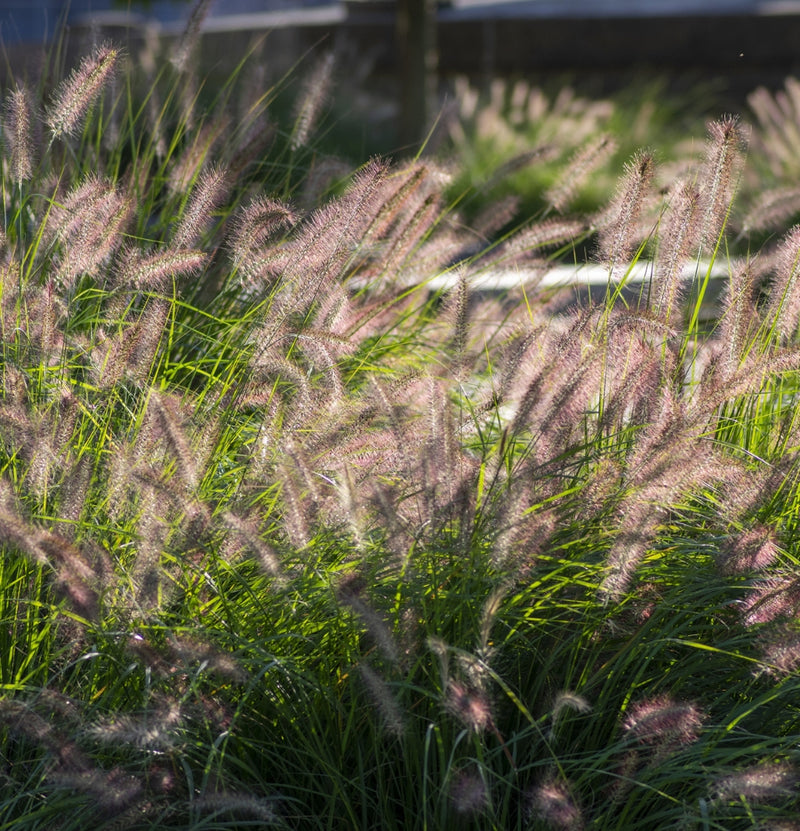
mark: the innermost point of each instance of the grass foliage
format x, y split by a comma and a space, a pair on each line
290, 540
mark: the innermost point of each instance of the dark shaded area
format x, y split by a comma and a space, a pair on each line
404, 49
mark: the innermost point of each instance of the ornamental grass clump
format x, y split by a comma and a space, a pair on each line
301, 528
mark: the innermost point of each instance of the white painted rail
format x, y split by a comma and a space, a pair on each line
588, 274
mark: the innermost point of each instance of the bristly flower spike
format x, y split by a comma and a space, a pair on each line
783, 309
18, 134
191, 34
312, 100
677, 239
583, 162
616, 237
74, 96
207, 194
725, 142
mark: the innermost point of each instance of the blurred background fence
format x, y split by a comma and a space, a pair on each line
728, 46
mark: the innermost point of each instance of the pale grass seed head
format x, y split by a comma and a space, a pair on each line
384, 700
18, 133
172, 417
398, 199
152, 529
662, 721
298, 513
783, 309
677, 240
539, 155
255, 226
156, 731
200, 149
740, 316
190, 37
771, 598
155, 272
780, 649
109, 791
772, 209
718, 180
23, 721
407, 239
74, 491
150, 326
570, 701
763, 782
189, 650
207, 194
752, 550
330, 237
619, 231
90, 226
324, 173
74, 96
261, 809
469, 795
248, 537
583, 162
470, 706
553, 803
528, 245
350, 593
312, 99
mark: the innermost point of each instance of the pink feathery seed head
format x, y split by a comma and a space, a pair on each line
586, 159
257, 224
312, 100
752, 550
739, 317
772, 210
770, 599
324, 173
90, 225
111, 792
547, 233
18, 133
495, 216
541, 154
191, 35
468, 793
759, 783
384, 701
187, 166
618, 234
74, 96
663, 721
726, 141
780, 650
156, 270
470, 706
172, 418
553, 803
399, 199
208, 193
784, 299
677, 239
248, 536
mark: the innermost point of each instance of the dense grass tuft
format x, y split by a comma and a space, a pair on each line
291, 538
